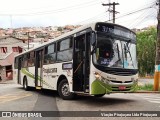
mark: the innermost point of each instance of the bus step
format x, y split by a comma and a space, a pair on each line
87, 90
38, 87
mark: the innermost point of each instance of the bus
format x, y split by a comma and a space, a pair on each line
94, 59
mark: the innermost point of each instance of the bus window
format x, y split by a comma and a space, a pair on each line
50, 54
105, 52
16, 63
25, 60
31, 59
64, 50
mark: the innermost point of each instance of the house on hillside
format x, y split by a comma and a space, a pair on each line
9, 47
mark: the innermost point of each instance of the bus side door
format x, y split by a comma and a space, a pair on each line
39, 68
81, 62
19, 70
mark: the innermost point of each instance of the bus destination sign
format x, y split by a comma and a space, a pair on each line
116, 30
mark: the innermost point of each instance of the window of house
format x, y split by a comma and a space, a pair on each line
15, 49
20, 49
3, 49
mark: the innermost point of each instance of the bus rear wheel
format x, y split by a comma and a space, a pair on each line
64, 90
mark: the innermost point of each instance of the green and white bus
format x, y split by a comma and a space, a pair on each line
95, 59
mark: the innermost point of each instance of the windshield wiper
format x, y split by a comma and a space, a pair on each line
118, 53
128, 51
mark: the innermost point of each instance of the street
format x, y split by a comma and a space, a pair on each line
14, 98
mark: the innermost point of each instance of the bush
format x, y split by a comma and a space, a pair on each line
148, 87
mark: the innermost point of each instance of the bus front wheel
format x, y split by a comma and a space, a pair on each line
64, 90
100, 95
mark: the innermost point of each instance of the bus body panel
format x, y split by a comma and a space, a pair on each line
29, 74
104, 83
51, 74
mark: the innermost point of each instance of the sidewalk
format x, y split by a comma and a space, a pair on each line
7, 82
143, 91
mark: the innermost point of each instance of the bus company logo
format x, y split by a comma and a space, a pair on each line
6, 114
50, 70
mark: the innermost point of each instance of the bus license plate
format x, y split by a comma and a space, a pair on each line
122, 87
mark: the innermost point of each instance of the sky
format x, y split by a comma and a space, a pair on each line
43, 13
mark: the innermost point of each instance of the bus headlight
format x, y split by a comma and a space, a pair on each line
102, 79
97, 75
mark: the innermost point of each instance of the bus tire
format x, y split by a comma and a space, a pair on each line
64, 91
25, 84
100, 95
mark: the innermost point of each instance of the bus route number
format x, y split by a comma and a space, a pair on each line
107, 29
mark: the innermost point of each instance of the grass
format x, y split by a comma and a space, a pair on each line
147, 87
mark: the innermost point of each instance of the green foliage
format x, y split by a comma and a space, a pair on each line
148, 87
146, 51
59, 29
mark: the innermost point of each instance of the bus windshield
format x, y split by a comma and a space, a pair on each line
115, 52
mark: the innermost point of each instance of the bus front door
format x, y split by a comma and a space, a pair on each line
81, 63
39, 69
19, 70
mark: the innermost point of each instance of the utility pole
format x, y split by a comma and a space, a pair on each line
11, 21
113, 11
157, 59
28, 39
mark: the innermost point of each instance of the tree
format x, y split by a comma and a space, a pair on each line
146, 50
59, 29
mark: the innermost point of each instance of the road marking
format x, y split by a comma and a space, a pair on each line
14, 96
153, 98
152, 101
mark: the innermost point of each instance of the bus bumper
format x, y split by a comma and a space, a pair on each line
99, 87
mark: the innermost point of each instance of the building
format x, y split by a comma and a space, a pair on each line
9, 47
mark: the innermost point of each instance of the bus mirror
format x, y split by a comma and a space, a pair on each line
93, 39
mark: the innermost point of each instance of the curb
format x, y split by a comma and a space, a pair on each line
147, 92
7, 82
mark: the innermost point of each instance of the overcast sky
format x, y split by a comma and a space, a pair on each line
36, 13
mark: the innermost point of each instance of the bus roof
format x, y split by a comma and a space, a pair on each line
91, 25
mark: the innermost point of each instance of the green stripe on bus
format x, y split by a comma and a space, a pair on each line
29, 74
24, 70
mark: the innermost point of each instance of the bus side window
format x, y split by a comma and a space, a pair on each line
24, 61
64, 50
31, 58
50, 54
16, 63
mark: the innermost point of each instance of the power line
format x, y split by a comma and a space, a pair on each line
92, 18
144, 17
133, 12
97, 16
86, 4
51, 6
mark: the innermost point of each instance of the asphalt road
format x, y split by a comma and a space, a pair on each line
14, 98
